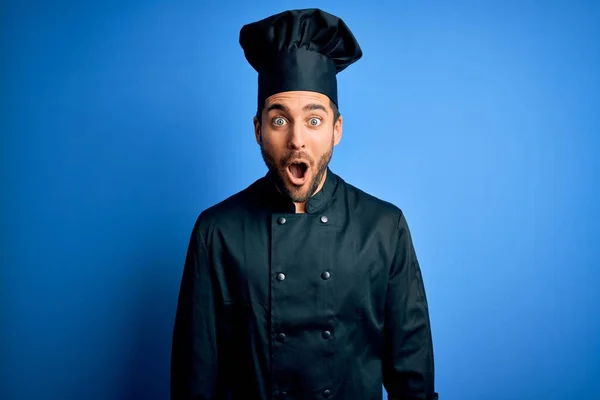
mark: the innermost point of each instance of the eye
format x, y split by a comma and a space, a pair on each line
279, 121
314, 121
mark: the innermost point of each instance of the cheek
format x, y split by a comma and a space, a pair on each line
270, 144
274, 140
323, 142
272, 148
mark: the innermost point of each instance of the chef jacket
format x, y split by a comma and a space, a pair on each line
327, 304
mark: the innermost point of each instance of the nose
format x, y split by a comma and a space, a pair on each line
296, 137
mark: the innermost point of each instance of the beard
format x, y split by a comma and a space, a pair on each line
298, 194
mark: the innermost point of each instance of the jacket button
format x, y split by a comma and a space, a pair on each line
326, 335
280, 337
325, 275
326, 393
281, 220
280, 277
324, 219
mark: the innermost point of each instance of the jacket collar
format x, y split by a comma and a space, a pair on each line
281, 203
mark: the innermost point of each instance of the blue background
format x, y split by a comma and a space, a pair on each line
121, 121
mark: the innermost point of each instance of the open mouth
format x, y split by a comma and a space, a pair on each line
297, 172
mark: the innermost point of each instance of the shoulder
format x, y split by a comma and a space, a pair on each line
379, 215
229, 210
367, 204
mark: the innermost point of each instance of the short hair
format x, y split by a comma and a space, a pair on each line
334, 107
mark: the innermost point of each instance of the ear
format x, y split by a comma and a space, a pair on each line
257, 130
337, 131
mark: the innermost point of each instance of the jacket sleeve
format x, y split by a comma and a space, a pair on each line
408, 364
194, 341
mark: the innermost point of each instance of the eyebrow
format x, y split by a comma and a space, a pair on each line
312, 107
308, 107
277, 106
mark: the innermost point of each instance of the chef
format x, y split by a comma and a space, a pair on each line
301, 285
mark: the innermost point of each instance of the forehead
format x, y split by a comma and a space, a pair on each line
297, 100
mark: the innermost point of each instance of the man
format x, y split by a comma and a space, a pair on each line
301, 286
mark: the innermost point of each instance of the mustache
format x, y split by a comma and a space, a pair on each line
297, 157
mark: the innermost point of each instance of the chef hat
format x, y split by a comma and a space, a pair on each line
299, 50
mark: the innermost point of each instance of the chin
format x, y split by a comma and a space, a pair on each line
298, 193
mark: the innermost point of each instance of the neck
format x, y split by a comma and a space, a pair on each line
300, 208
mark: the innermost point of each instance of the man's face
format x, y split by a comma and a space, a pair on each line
296, 137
